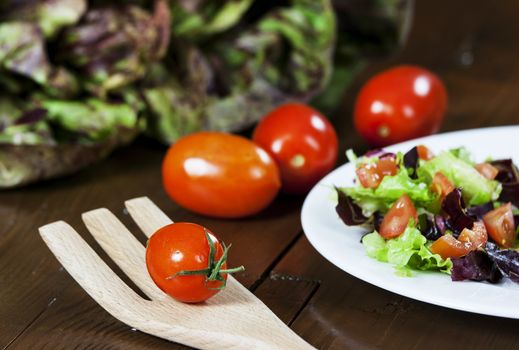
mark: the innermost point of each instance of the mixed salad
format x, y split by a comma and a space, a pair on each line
440, 212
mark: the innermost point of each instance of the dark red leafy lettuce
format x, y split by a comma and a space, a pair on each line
506, 259
479, 211
411, 161
508, 175
475, 266
349, 212
380, 153
377, 220
431, 226
454, 206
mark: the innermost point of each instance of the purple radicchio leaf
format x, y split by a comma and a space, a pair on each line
454, 206
431, 226
377, 220
411, 161
380, 153
475, 266
349, 212
508, 175
32, 116
506, 259
480, 210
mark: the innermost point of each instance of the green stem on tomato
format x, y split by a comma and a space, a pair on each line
214, 270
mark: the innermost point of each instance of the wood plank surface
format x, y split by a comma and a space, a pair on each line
33, 283
472, 45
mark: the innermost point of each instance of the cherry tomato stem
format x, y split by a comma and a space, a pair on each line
188, 262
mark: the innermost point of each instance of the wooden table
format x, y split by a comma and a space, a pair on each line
472, 45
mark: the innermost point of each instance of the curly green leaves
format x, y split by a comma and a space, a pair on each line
114, 47
22, 52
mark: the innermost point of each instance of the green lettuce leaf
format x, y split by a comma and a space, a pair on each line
390, 189
22, 52
113, 47
407, 252
49, 15
476, 188
93, 118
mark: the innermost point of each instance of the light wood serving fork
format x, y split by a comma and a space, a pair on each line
233, 319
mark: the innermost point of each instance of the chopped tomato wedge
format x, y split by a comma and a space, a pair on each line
441, 185
424, 152
487, 170
477, 236
449, 247
371, 174
397, 218
500, 225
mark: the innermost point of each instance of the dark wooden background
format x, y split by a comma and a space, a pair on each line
472, 45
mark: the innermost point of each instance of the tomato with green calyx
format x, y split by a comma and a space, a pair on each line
302, 142
220, 175
187, 262
399, 104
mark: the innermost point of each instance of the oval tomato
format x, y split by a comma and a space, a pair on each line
180, 262
302, 142
449, 247
397, 218
399, 104
371, 174
220, 175
501, 226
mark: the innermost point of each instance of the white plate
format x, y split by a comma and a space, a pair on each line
340, 244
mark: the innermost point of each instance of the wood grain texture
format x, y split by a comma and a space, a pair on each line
472, 45
233, 319
24, 301
346, 313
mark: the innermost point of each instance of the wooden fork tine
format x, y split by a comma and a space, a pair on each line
147, 215
123, 248
91, 272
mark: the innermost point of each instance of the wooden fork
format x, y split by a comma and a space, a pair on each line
233, 319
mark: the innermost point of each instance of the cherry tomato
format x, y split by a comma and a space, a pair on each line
441, 185
424, 152
397, 218
371, 174
449, 247
399, 104
220, 175
178, 258
500, 225
487, 170
302, 142
477, 236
